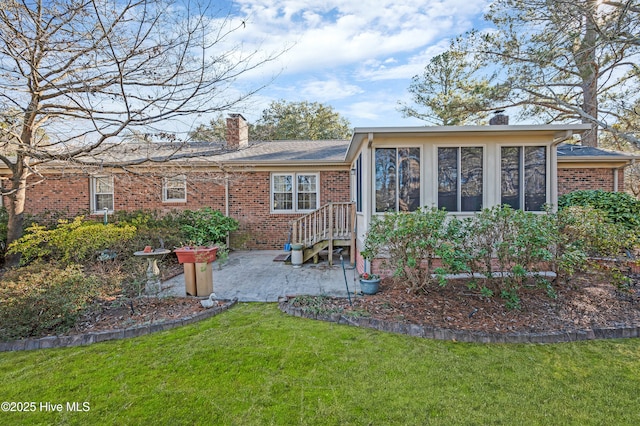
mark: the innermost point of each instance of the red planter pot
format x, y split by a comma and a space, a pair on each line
196, 254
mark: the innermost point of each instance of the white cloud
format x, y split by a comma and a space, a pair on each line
357, 56
328, 90
333, 33
392, 69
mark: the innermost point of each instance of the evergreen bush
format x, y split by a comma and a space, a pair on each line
78, 241
619, 207
42, 299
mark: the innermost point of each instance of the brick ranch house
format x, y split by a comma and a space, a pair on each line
274, 187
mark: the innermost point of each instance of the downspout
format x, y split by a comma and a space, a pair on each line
366, 265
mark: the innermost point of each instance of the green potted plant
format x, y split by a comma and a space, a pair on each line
369, 283
204, 229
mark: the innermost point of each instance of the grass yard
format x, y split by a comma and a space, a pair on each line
254, 365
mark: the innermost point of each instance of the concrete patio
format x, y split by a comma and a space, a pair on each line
254, 276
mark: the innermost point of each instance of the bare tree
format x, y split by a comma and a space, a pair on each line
79, 77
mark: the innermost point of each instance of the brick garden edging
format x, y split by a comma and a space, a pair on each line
437, 333
103, 336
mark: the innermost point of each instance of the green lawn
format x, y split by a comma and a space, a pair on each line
255, 365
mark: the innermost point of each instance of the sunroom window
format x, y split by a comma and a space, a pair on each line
397, 179
524, 177
358, 187
460, 180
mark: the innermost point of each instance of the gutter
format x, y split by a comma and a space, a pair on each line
597, 159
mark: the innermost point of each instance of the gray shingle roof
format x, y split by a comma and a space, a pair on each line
290, 151
271, 152
573, 151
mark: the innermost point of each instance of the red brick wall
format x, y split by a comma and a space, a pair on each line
249, 200
67, 194
250, 204
70, 194
574, 179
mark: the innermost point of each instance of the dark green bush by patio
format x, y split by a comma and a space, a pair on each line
206, 226
152, 228
41, 299
177, 228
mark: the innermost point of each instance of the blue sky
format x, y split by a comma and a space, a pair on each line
357, 56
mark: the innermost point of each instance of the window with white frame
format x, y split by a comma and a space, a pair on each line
174, 189
294, 192
358, 185
101, 194
397, 179
460, 179
524, 177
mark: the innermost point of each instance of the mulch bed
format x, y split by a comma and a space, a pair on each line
589, 301
126, 313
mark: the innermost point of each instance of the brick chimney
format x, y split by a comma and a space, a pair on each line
237, 132
499, 119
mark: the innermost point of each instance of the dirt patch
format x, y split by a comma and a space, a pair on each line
125, 313
589, 301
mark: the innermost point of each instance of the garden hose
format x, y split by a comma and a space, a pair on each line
344, 272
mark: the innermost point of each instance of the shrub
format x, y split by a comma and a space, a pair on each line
505, 246
206, 226
41, 299
76, 241
4, 222
589, 231
619, 207
152, 229
412, 242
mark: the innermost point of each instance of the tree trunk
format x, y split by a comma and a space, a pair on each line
589, 70
15, 212
590, 137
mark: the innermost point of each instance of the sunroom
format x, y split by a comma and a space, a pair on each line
461, 169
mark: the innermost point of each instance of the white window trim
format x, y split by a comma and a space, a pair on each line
165, 188
372, 183
521, 180
294, 176
93, 194
358, 183
434, 175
